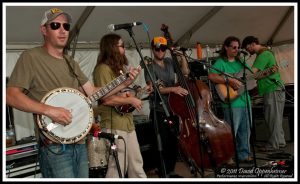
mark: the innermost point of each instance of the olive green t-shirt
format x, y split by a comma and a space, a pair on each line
263, 61
109, 117
231, 68
38, 73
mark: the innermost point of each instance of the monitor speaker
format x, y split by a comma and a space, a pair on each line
262, 133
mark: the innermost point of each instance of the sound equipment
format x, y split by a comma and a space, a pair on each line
262, 133
146, 137
22, 162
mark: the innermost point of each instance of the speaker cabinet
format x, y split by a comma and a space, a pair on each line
262, 133
146, 138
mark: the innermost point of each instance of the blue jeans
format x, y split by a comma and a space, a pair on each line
241, 130
66, 161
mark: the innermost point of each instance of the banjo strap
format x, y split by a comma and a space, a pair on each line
75, 75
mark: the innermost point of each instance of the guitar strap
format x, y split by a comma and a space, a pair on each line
75, 75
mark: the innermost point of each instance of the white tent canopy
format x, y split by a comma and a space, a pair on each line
188, 23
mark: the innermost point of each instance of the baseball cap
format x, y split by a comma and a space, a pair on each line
157, 41
52, 14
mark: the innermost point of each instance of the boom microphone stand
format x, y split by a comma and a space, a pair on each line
115, 154
159, 143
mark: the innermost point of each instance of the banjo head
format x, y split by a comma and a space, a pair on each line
82, 116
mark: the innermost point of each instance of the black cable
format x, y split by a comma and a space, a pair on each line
148, 35
278, 83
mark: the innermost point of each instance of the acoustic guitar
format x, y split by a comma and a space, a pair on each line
250, 79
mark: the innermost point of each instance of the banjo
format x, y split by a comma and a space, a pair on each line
81, 110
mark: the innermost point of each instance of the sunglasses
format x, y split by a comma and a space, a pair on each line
161, 48
56, 25
234, 47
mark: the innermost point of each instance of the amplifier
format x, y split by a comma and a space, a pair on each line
22, 161
147, 141
262, 133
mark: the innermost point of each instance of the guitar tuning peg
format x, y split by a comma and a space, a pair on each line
121, 72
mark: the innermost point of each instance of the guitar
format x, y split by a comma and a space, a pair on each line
80, 107
250, 79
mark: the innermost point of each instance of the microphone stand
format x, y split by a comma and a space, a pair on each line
159, 143
113, 147
251, 125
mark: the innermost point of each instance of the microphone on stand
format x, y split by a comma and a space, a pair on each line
108, 136
115, 27
183, 49
178, 49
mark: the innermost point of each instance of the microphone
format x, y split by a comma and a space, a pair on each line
115, 27
108, 136
183, 49
243, 52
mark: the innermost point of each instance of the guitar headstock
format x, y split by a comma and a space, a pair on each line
164, 28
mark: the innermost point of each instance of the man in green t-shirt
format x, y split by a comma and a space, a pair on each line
271, 87
235, 109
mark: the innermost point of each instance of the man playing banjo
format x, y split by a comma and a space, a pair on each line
44, 69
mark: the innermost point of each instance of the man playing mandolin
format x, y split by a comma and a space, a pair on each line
41, 70
111, 61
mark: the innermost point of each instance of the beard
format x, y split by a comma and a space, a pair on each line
159, 56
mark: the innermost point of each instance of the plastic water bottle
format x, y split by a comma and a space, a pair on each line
10, 136
199, 51
207, 51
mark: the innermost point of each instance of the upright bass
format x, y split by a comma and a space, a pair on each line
204, 140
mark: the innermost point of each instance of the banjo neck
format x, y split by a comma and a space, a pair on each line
107, 88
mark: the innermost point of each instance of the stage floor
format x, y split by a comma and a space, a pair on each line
264, 162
